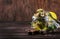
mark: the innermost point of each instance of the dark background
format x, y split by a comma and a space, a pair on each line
22, 10
15, 16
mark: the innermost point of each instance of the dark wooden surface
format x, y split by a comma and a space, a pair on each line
22, 10
16, 30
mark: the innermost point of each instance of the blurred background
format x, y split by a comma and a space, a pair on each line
15, 15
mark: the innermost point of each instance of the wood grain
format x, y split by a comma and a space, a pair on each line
22, 10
